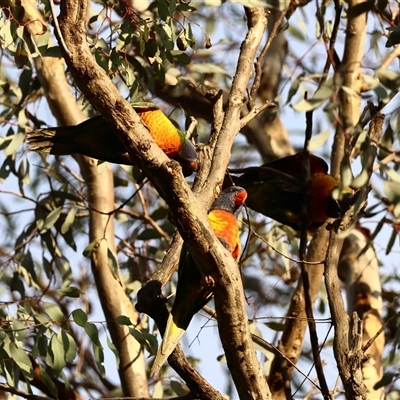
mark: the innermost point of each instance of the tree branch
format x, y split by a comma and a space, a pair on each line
189, 215
350, 76
349, 360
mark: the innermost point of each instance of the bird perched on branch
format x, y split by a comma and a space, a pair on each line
94, 138
276, 189
192, 293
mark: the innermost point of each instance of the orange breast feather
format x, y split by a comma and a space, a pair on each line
225, 227
163, 131
321, 189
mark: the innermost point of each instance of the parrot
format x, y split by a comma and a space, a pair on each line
276, 190
191, 292
94, 138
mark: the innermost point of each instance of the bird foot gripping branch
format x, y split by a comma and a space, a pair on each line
209, 281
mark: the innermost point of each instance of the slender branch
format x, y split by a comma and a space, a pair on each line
260, 58
349, 364
254, 112
13, 390
57, 28
350, 76
303, 248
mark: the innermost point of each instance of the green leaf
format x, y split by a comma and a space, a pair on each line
21, 358
386, 380
148, 341
159, 213
149, 234
179, 388
360, 180
99, 358
163, 9
50, 220
166, 36
391, 173
93, 333
388, 78
20, 32
42, 41
54, 312
180, 57
275, 326
323, 94
19, 329
70, 291
172, 7
345, 172
14, 144
54, 51
112, 347
69, 220
295, 87
69, 344
89, 248
391, 241
79, 317
158, 390
123, 320
191, 39
113, 264
41, 319
48, 382
208, 68
392, 191
319, 140
186, 7
57, 354
394, 37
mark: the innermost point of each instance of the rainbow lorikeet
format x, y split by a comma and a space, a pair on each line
192, 293
94, 138
276, 189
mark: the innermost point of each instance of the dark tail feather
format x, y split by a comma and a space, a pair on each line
52, 141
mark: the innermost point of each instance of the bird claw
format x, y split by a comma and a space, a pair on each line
209, 281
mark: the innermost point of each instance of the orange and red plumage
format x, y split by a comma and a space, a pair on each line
94, 138
191, 293
276, 189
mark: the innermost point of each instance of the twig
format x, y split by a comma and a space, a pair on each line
254, 112
381, 330
168, 266
295, 260
57, 28
260, 59
18, 392
146, 218
330, 59
192, 127
304, 274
